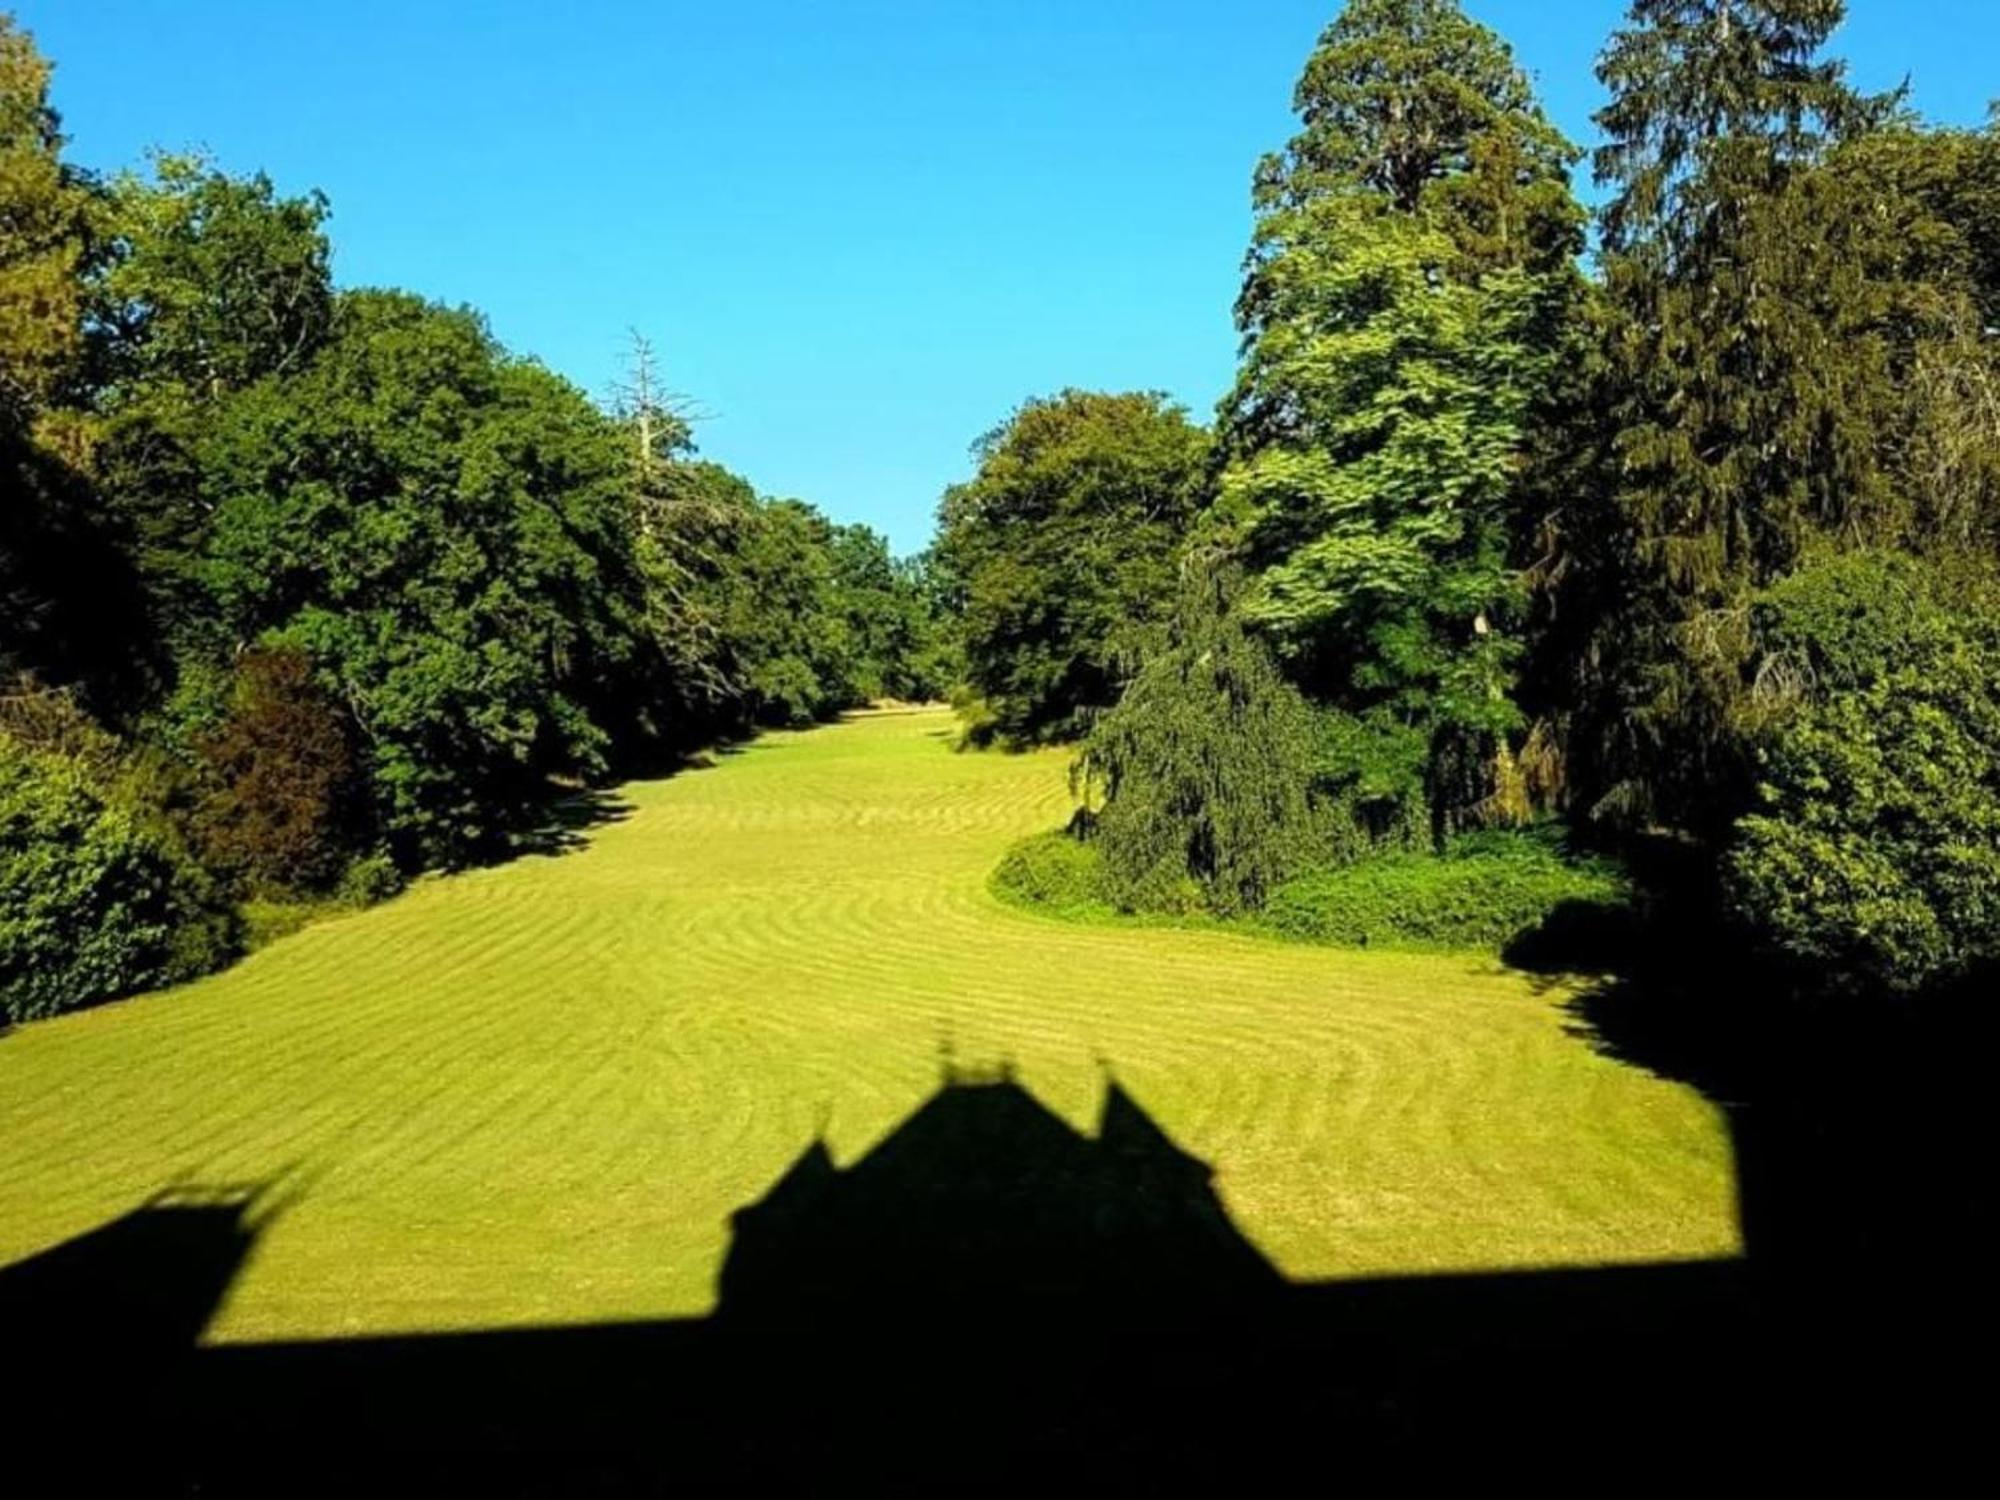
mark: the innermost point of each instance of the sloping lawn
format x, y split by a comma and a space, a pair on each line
536, 1093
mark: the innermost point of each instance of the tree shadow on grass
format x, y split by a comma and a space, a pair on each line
568, 822
988, 1300
1858, 1130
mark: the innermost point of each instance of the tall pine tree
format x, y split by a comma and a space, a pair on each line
1774, 273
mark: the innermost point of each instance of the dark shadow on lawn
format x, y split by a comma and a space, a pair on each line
1858, 1127
569, 820
989, 1299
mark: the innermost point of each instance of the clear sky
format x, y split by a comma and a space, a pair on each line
859, 231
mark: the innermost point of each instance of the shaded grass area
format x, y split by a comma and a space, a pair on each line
989, 1296
993, 1300
536, 1093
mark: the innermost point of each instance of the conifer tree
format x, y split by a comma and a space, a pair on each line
1768, 284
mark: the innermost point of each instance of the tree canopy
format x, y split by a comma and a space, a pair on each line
1061, 553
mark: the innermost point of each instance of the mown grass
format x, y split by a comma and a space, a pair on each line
535, 1093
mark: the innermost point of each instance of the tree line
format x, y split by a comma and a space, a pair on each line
1682, 533
305, 589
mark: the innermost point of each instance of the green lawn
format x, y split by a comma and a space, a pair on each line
535, 1093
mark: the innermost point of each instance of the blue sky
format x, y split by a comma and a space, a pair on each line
858, 231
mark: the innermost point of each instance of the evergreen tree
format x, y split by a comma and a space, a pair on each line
1773, 273
1203, 770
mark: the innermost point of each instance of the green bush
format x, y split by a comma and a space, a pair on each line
1872, 861
1054, 870
369, 879
1486, 890
95, 901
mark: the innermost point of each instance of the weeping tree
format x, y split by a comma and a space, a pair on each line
1199, 776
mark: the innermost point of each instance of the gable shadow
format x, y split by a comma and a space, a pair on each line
987, 1299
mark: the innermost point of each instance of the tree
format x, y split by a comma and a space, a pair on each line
218, 282
445, 534
1418, 106
47, 237
790, 648
889, 611
1693, 81
1774, 272
1203, 770
284, 811
1408, 293
1062, 552
69, 607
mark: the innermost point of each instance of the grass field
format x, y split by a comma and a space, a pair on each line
535, 1093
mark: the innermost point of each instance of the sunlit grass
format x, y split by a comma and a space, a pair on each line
535, 1093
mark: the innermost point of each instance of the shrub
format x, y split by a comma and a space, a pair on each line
369, 879
1486, 890
1054, 870
1205, 766
95, 900
1874, 860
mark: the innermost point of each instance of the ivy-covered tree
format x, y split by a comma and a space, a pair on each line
1410, 289
1061, 552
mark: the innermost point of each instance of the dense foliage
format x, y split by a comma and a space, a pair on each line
1409, 289
96, 899
1795, 327
1485, 891
285, 810
1056, 872
1061, 552
1873, 857
1697, 551
1696, 546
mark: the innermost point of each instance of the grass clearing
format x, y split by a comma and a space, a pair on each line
534, 1094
